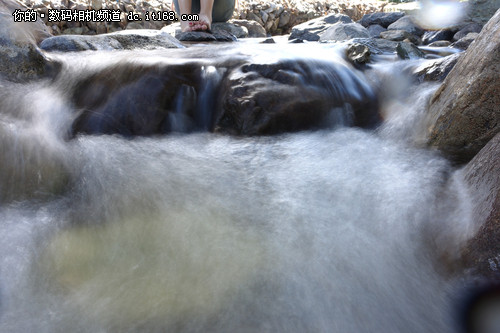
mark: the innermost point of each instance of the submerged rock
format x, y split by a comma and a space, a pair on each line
482, 176
464, 112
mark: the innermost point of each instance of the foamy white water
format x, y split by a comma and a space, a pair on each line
338, 230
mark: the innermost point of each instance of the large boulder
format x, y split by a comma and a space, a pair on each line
263, 99
20, 58
232, 95
480, 11
122, 40
344, 31
383, 19
312, 30
406, 23
464, 113
482, 175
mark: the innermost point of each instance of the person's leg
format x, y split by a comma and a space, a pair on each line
183, 7
223, 10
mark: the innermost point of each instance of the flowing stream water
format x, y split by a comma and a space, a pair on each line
336, 230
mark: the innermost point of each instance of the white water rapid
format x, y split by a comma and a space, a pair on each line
338, 230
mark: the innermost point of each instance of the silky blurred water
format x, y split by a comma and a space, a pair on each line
339, 230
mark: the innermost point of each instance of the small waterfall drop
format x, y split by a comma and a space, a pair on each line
341, 229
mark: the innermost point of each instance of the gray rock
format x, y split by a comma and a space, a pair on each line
311, 30
437, 69
145, 39
268, 41
482, 177
122, 40
472, 27
254, 28
409, 51
464, 112
375, 30
433, 36
200, 36
464, 43
20, 58
399, 36
73, 43
238, 31
480, 11
383, 19
406, 23
440, 43
358, 53
377, 45
344, 31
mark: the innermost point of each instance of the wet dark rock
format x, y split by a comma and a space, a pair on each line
130, 99
482, 175
254, 28
296, 41
263, 99
312, 30
122, 40
375, 30
358, 53
383, 19
344, 31
399, 36
472, 27
406, 23
434, 36
438, 69
409, 51
464, 43
233, 96
268, 41
463, 113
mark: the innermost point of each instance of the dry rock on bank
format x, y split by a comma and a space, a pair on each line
465, 111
